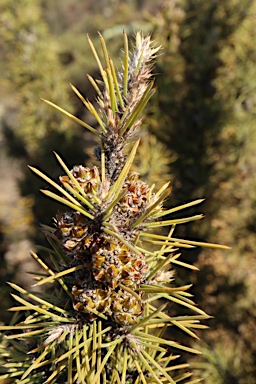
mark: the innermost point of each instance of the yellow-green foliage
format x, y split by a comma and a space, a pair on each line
30, 68
206, 112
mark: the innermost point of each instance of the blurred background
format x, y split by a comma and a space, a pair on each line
200, 128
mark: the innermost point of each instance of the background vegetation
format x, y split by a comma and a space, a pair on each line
203, 117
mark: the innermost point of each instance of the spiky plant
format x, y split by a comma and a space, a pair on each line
102, 322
